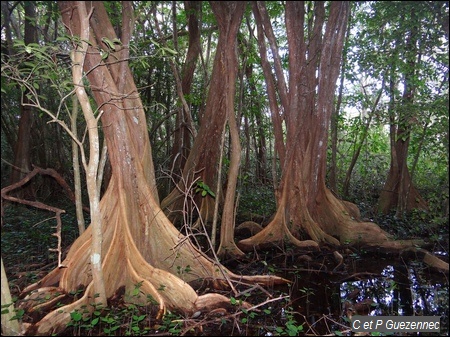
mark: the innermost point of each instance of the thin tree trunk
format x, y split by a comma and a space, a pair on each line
185, 130
364, 133
76, 168
91, 166
227, 245
399, 192
203, 158
22, 154
277, 117
10, 325
335, 117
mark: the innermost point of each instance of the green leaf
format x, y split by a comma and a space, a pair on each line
76, 316
170, 51
109, 43
104, 55
117, 41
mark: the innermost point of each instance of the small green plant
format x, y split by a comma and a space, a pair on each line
181, 271
82, 320
128, 320
171, 323
18, 312
291, 327
110, 324
204, 189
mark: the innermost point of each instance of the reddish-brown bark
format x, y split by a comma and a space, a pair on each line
203, 159
141, 245
308, 214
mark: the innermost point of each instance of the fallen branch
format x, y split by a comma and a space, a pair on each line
37, 204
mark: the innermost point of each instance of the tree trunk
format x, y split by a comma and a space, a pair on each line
308, 213
22, 154
335, 119
359, 145
76, 168
141, 245
399, 192
227, 245
10, 325
90, 165
184, 132
202, 162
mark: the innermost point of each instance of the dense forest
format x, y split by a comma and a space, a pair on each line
223, 168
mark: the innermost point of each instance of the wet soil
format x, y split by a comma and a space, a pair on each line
323, 295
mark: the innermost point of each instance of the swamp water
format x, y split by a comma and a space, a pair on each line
326, 302
321, 300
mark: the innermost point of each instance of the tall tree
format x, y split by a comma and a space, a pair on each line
184, 128
22, 150
399, 192
202, 163
305, 206
140, 244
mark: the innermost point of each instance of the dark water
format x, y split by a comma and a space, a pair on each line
325, 301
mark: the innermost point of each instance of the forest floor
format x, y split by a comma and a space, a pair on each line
320, 300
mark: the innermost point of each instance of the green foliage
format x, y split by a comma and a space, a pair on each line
256, 199
127, 320
19, 313
291, 328
204, 189
171, 323
185, 270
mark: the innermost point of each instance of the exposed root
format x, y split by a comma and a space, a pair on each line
250, 226
209, 302
339, 225
160, 269
275, 232
427, 258
57, 320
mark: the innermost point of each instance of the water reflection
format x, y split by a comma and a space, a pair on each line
399, 293
372, 287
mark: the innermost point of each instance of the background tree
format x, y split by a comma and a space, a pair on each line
408, 49
185, 131
399, 193
36, 140
22, 151
201, 166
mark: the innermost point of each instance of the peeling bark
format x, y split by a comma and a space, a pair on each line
308, 214
141, 246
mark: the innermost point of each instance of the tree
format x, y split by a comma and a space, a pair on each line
399, 192
10, 325
184, 129
305, 205
201, 166
409, 56
22, 160
141, 246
